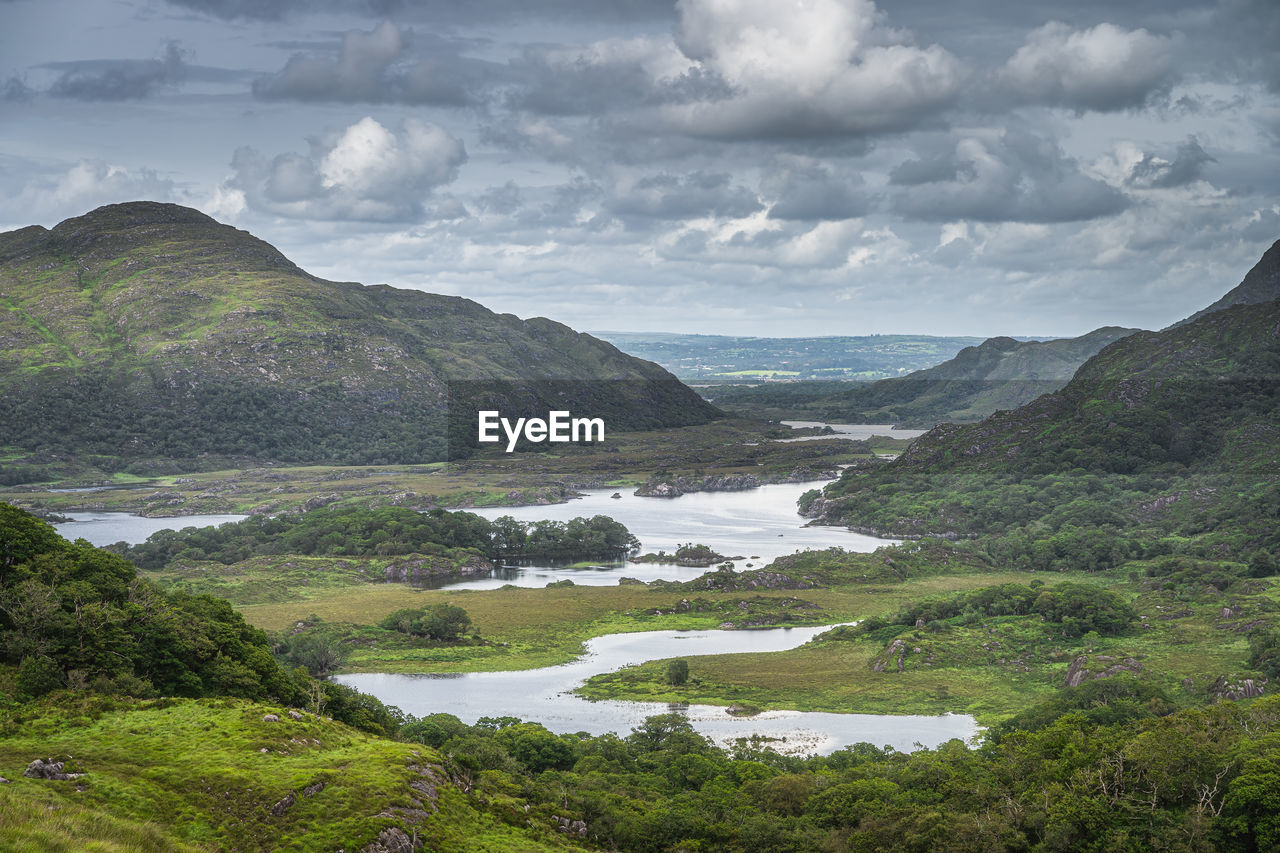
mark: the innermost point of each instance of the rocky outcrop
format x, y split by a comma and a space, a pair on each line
393, 840
895, 654
416, 567
674, 487
727, 580
569, 826
1084, 669
1245, 688
47, 768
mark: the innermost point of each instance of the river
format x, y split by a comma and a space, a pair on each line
546, 696
756, 526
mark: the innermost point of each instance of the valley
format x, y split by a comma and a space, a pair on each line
405, 632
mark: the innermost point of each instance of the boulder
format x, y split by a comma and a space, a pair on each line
43, 768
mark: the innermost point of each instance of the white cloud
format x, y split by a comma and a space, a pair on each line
810, 67
366, 172
1102, 68
82, 187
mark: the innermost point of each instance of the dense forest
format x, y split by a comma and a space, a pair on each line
388, 531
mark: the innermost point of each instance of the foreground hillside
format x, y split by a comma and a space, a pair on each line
148, 330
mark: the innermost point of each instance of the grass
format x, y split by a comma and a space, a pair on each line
1024, 659
204, 774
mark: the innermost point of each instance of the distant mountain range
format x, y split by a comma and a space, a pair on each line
998, 374
1176, 431
728, 358
149, 330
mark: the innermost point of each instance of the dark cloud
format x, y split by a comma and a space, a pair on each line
120, 80
1016, 176
364, 173
472, 11
1250, 31
666, 196
814, 192
1186, 167
378, 67
1102, 68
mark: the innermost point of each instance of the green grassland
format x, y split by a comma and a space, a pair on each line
188, 775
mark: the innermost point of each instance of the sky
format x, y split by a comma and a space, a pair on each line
744, 167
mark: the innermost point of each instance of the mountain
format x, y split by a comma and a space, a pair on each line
147, 330
1000, 373
1260, 284
1163, 442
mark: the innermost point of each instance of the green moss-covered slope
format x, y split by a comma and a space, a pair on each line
151, 330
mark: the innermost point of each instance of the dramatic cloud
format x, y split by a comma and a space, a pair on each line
364, 173
120, 80
373, 67
809, 68
471, 12
1101, 68
1015, 176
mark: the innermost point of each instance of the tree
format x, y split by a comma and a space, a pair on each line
678, 672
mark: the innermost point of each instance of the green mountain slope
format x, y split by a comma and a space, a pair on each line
1000, 373
150, 330
1169, 441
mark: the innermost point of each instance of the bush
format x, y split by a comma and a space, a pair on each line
38, 676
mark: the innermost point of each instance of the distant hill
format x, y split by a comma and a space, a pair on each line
1176, 433
1000, 373
148, 330
725, 358
1260, 284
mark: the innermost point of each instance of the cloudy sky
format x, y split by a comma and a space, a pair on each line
768, 167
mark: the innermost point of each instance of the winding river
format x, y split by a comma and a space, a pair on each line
755, 526
546, 696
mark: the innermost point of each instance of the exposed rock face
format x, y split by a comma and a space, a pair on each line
393, 840
47, 768
415, 568
1102, 666
894, 653
284, 804
570, 827
1245, 688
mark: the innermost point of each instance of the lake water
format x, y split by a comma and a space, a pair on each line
757, 525
545, 696
108, 528
853, 432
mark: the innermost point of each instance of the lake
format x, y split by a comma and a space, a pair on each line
545, 696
